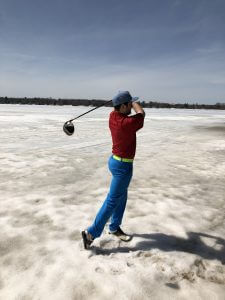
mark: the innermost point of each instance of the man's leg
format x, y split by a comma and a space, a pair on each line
102, 216
117, 215
116, 196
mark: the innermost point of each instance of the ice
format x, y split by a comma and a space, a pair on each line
51, 186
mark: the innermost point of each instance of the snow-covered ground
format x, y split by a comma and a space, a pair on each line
52, 185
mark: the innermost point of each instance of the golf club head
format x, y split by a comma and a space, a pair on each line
68, 128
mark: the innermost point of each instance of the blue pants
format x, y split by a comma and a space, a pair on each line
115, 202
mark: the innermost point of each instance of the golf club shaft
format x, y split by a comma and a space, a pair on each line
89, 111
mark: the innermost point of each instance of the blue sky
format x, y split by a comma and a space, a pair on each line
162, 50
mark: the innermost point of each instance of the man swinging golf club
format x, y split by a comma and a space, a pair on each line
123, 130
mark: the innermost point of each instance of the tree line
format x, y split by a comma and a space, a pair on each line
95, 102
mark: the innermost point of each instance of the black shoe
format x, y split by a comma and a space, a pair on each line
86, 240
121, 235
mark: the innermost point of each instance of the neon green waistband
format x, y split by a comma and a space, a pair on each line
123, 159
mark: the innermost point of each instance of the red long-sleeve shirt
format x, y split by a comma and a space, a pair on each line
123, 130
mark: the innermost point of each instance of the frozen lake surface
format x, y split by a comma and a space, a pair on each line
52, 185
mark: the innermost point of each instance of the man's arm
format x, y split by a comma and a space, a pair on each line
137, 108
134, 122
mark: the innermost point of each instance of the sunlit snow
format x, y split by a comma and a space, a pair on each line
52, 185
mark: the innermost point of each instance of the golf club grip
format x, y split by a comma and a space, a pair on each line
89, 111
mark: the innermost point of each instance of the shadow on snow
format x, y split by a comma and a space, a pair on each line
193, 244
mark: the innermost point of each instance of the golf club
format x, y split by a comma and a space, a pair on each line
68, 126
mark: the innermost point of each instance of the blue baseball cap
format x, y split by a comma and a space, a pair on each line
123, 97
